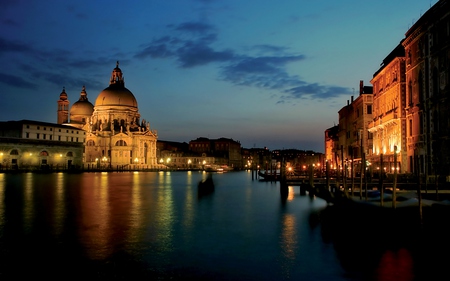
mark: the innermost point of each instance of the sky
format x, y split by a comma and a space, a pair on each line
262, 72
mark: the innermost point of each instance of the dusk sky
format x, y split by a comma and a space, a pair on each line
265, 73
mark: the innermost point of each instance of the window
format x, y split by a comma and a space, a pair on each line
43, 153
27, 135
28, 126
51, 129
45, 128
59, 130
369, 109
38, 127
14, 152
59, 138
51, 137
410, 127
121, 143
37, 136
69, 154
43, 136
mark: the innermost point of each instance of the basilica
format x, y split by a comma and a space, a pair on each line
116, 138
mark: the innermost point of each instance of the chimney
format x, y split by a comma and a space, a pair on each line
352, 99
361, 87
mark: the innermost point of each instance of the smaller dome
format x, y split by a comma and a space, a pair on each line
82, 108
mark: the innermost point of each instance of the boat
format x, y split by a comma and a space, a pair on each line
206, 186
269, 177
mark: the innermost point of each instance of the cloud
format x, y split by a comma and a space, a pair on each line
315, 91
14, 46
16, 81
263, 66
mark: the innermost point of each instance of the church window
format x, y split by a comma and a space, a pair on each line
43, 153
14, 152
121, 143
69, 154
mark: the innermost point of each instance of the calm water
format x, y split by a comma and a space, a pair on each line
153, 226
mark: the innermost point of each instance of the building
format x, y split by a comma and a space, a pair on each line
331, 146
32, 145
427, 51
226, 152
354, 141
388, 124
116, 138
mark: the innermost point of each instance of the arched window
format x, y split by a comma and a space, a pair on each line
14, 152
121, 143
43, 153
69, 154
90, 143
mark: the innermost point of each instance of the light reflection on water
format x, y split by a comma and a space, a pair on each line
153, 224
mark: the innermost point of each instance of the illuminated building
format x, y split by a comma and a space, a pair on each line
427, 51
225, 151
353, 139
332, 146
30, 145
116, 138
388, 124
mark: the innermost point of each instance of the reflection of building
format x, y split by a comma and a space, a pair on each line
31, 144
115, 136
388, 124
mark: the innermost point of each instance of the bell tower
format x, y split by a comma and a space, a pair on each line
63, 107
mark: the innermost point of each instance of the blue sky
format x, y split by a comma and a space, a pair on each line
266, 73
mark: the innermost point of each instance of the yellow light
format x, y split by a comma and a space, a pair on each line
60, 155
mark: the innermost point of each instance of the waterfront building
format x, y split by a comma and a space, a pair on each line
226, 152
353, 139
331, 146
388, 125
116, 138
427, 51
31, 145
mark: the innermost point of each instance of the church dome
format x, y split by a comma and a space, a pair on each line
82, 106
116, 94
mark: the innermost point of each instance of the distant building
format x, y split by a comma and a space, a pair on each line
226, 152
31, 145
332, 146
116, 138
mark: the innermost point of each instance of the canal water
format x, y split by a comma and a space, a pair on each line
155, 226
